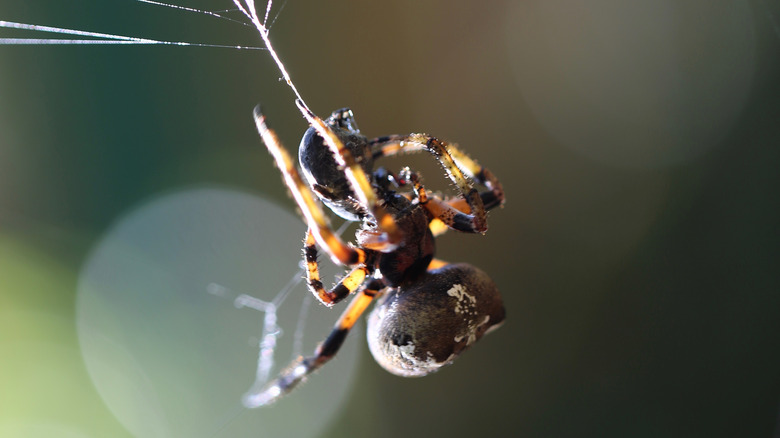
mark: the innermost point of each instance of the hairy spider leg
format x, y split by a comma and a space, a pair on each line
438, 224
482, 175
302, 367
343, 288
491, 198
455, 164
397, 144
359, 182
315, 218
488, 199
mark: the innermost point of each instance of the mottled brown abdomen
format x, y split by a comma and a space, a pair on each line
417, 328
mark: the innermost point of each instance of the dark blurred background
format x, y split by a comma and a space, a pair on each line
637, 253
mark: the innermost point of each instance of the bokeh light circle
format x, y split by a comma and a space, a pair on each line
170, 359
643, 84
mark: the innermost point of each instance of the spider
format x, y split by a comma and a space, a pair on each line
429, 311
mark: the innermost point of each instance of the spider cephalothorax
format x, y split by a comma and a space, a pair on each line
322, 172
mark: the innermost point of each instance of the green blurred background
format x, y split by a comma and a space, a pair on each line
637, 253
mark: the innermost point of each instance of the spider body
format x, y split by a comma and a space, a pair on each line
406, 262
322, 172
430, 310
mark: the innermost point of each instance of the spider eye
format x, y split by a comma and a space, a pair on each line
418, 328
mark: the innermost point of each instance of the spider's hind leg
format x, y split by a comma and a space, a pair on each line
300, 369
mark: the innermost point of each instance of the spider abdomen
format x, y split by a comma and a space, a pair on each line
417, 328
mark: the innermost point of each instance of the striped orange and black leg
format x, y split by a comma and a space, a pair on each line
458, 166
346, 286
494, 196
444, 214
315, 218
399, 144
301, 368
438, 227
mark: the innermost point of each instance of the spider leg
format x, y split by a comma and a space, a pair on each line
357, 178
438, 227
346, 286
397, 144
443, 214
301, 368
495, 194
315, 218
455, 163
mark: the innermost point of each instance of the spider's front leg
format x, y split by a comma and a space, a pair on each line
315, 218
301, 368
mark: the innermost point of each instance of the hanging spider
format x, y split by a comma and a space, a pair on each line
430, 311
